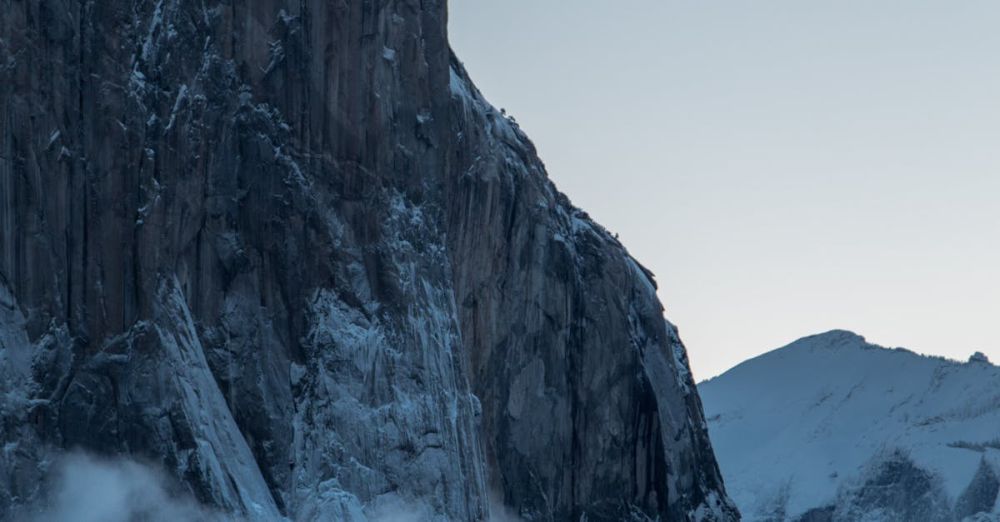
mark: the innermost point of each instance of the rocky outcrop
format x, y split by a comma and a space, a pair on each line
288, 252
981, 495
894, 489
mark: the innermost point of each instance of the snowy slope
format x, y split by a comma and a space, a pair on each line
826, 420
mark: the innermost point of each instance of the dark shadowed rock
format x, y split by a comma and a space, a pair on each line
287, 251
981, 495
894, 489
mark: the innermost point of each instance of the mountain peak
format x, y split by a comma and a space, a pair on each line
817, 423
979, 357
830, 339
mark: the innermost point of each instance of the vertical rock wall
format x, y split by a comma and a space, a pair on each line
286, 250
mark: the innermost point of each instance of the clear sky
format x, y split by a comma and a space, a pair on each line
785, 167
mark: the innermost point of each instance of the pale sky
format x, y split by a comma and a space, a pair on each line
785, 167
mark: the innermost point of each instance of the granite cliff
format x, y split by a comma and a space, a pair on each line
287, 252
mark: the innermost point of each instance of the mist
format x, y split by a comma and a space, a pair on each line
85, 488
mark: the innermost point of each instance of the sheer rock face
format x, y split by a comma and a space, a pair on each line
287, 251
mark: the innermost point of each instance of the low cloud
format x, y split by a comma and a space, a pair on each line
90, 489
85, 488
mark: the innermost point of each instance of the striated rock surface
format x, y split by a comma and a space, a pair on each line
286, 251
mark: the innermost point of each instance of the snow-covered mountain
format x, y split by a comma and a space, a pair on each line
831, 427
288, 253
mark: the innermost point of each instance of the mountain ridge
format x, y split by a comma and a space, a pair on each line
827, 412
845, 337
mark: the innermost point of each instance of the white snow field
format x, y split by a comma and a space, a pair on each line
809, 428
